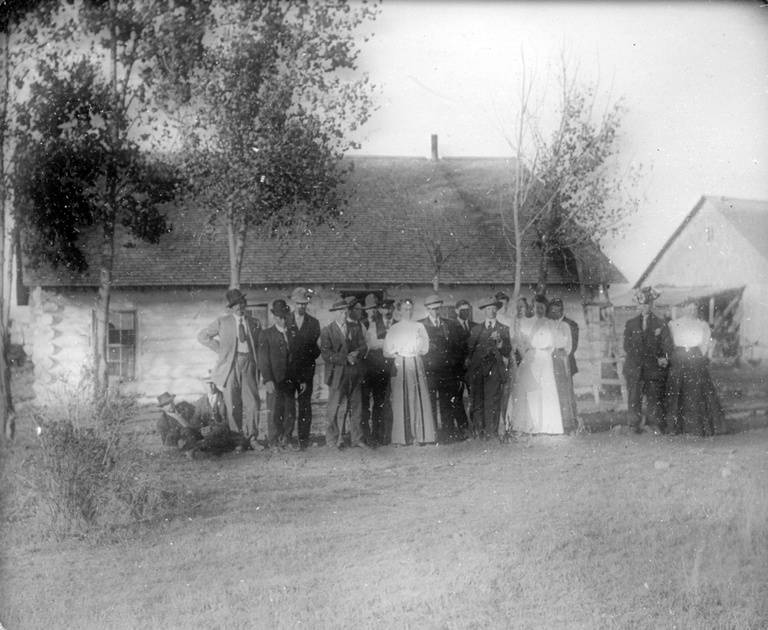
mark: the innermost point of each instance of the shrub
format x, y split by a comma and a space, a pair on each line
89, 473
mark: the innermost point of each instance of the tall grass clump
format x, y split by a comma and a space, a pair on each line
88, 472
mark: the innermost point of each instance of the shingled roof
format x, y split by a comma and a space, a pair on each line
393, 202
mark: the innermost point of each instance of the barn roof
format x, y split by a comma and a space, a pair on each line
748, 216
394, 203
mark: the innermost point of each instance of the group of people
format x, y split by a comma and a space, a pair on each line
666, 364
399, 381
391, 379
394, 380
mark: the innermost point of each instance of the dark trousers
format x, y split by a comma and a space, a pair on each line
281, 413
305, 405
485, 385
653, 390
376, 410
241, 397
446, 392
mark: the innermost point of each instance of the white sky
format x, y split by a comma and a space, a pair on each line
694, 76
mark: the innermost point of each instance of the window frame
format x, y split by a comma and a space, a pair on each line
125, 363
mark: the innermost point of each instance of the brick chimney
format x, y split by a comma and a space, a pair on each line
434, 148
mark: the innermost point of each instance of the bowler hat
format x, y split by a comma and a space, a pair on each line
280, 308
502, 296
489, 301
234, 297
165, 399
339, 305
371, 301
433, 300
300, 295
554, 303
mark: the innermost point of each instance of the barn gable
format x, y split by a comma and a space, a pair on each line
722, 243
719, 256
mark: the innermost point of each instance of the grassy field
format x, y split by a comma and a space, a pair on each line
601, 530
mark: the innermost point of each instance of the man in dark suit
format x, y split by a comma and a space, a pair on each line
488, 345
465, 325
378, 369
235, 337
342, 346
280, 379
646, 340
444, 376
304, 332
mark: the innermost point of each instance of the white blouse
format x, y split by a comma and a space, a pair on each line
543, 335
562, 335
690, 333
406, 338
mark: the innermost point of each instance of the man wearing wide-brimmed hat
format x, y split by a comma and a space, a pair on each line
235, 337
646, 341
342, 345
174, 430
444, 368
279, 374
304, 333
489, 346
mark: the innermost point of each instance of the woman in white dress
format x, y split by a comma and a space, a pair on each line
535, 405
412, 418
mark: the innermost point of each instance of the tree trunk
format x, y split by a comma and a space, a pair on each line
236, 233
436, 283
6, 399
102, 312
543, 277
101, 371
582, 286
518, 251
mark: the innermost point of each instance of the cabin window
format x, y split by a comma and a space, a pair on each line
710, 232
121, 344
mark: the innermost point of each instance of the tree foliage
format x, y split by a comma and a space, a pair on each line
89, 134
584, 195
571, 190
63, 169
268, 100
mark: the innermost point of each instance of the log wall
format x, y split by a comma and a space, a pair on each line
58, 335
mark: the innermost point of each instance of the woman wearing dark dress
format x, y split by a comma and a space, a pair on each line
692, 402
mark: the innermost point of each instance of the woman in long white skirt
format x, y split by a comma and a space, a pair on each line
535, 405
412, 418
